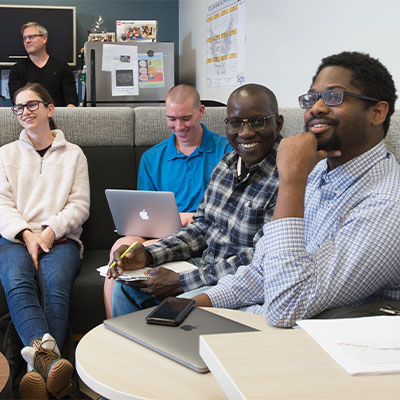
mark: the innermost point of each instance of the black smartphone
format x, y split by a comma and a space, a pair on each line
171, 311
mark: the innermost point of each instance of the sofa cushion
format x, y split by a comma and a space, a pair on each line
86, 305
10, 127
392, 139
293, 121
109, 168
99, 127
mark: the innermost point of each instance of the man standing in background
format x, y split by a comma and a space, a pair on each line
53, 74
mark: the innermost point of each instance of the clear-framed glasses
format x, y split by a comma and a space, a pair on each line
330, 98
32, 105
30, 37
255, 123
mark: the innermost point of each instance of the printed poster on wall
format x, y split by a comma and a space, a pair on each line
225, 27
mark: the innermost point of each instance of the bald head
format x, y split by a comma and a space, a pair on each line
184, 113
253, 90
181, 93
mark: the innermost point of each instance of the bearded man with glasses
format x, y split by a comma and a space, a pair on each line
53, 74
238, 201
332, 249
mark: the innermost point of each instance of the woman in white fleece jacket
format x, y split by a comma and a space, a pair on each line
44, 200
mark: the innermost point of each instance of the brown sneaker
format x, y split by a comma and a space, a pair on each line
57, 371
33, 386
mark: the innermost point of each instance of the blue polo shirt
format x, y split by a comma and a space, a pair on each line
163, 168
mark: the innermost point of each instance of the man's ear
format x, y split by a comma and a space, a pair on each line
202, 110
279, 123
379, 112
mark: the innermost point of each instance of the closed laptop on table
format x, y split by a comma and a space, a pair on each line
143, 213
179, 343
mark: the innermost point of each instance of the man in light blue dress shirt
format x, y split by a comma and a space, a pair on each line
335, 236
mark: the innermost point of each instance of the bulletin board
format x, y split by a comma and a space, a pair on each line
60, 23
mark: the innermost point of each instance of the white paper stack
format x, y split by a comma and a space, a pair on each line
369, 345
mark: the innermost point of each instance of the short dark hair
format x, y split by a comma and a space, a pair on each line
41, 92
255, 88
369, 74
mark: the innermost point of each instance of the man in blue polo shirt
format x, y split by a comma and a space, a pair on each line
181, 164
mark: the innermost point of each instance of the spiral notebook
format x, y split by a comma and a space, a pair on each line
140, 274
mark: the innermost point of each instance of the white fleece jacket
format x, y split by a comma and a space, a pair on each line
36, 192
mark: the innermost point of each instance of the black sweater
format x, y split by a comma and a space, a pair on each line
56, 76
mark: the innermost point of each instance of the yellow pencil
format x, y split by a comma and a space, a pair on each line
114, 263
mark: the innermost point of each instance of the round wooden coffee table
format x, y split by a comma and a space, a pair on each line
118, 368
5, 384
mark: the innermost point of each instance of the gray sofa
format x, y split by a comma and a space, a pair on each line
113, 140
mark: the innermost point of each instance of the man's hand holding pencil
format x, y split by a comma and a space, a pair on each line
127, 258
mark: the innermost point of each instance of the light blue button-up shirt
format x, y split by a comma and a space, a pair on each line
345, 251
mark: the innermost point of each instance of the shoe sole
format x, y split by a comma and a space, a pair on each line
59, 378
33, 386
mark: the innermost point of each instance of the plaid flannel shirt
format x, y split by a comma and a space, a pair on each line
344, 252
227, 224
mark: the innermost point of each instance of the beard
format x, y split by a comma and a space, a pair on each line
329, 143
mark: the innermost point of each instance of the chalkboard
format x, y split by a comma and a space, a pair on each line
60, 23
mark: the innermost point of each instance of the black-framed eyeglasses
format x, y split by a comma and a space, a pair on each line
255, 123
30, 37
330, 98
32, 105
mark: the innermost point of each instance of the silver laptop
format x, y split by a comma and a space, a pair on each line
143, 213
179, 343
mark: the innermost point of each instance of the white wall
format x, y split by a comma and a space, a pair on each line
286, 39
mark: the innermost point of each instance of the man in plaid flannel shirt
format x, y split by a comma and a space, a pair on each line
238, 201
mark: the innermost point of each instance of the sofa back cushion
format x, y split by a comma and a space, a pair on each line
392, 139
106, 136
9, 126
114, 138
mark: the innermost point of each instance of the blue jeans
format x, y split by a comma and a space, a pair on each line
127, 299
57, 271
